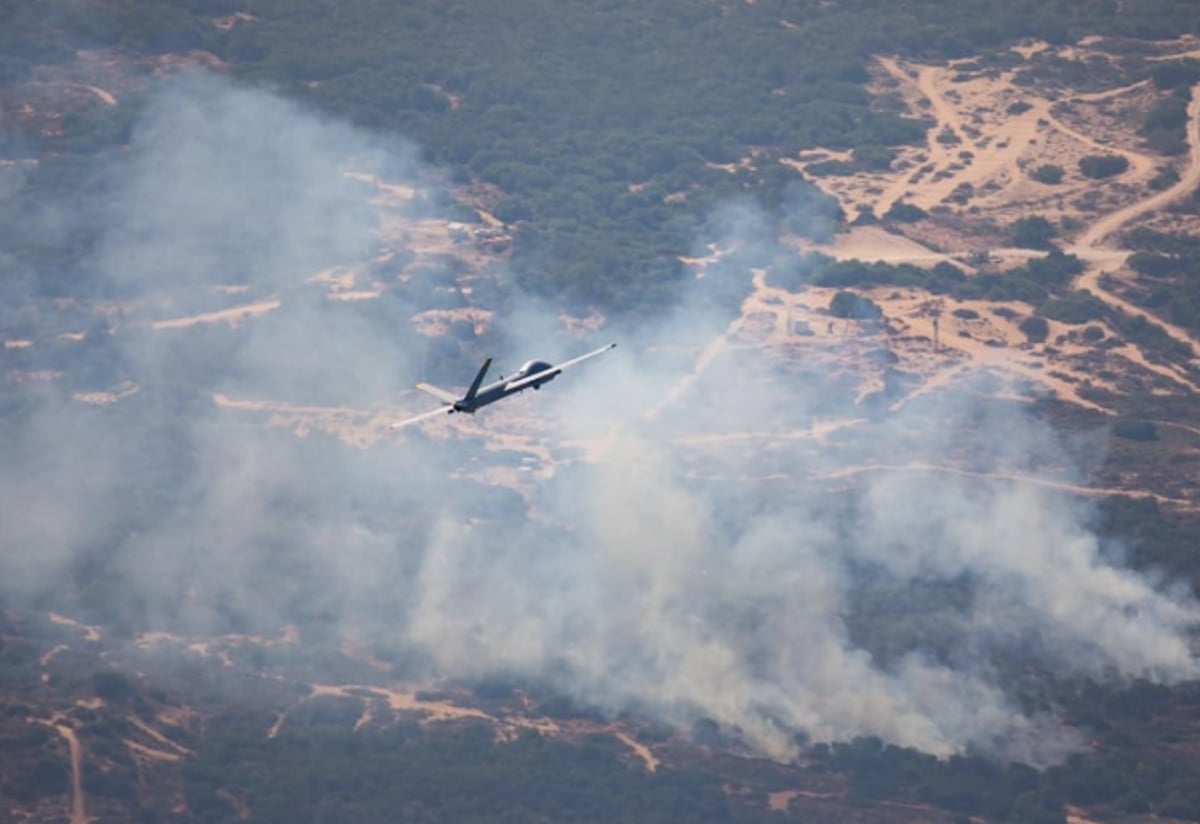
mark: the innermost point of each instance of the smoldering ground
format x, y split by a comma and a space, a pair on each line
781, 611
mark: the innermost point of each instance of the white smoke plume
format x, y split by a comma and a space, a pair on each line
658, 575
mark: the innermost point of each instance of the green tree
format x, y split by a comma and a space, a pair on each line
849, 305
1033, 232
1036, 329
902, 212
1099, 167
1048, 173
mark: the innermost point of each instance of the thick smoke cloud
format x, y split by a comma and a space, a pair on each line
230, 186
654, 576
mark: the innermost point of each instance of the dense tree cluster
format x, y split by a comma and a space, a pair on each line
1048, 173
1165, 125
1166, 264
1033, 232
328, 771
601, 126
1098, 167
855, 307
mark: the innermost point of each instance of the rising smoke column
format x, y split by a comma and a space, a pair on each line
637, 587
676, 597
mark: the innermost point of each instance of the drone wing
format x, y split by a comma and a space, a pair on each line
417, 418
439, 393
540, 377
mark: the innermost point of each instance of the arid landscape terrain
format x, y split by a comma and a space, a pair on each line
935, 339
780, 396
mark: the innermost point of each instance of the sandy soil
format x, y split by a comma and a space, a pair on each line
1077, 816
89, 632
356, 427
151, 753
980, 150
78, 800
404, 701
507, 725
989, 133
649, 759
228, 21
105, 95
233, 315
218, 646
779, 801
973, 169
45, 660
174, 749
1099, 232
964, 345
436, 322
878, 244
126, 390
977, 171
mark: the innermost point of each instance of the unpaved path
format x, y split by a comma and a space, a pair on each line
1110, 223
639, 749
992, 162
963, 162
151, 753
1108, 94
78, 801
507, 726
233, 315
1032, 480
89, 632
992, 170
1140, 165
945, 117
45, 660
105, 95
1093, 239
179, 750
1194, 430
878, 244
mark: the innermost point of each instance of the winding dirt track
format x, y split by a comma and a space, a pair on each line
78, 801
105, 95
1089, 247
1110, 223
434, 710
995, 164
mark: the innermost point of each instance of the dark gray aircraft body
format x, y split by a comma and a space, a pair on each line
533, 374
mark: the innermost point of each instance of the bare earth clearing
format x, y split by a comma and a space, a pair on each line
974, 171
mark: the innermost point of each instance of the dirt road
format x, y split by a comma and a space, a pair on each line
1091, 242
78, 802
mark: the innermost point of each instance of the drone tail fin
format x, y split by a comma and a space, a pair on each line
475, 384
